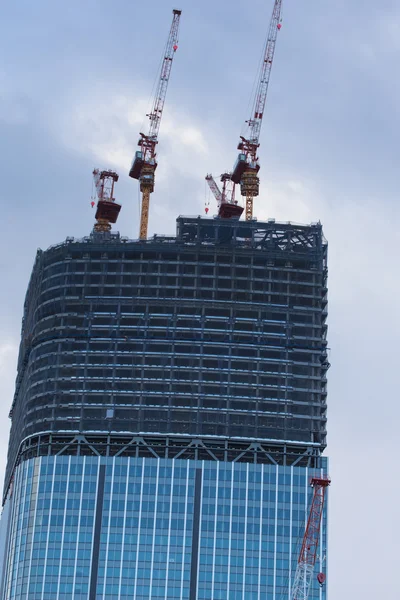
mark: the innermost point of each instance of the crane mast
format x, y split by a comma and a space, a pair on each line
308, 553
247, 166
144, 163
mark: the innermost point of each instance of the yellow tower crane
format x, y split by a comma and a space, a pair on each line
245, 171
144, 163
247, 166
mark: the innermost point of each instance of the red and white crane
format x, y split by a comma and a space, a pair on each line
228, 207
107, 209
214, 188
144, 163
247, 166
308, 553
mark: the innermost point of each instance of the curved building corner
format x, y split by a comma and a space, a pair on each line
199, 358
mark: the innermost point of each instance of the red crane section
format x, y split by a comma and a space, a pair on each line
255, 121
309, 547
247, 166
107, 209
214, 188
228, 207
159, 100
144, 163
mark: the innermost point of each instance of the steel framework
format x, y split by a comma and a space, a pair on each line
217, 334
308, 552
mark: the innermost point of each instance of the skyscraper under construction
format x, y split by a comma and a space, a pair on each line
169, 412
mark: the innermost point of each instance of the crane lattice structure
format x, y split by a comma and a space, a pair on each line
144, 163
214, 188
107, 209
247, 166
308, 553
228, 207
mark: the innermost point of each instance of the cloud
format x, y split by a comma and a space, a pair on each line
107, 127
104, 128
8, 354
329, 153
15, 103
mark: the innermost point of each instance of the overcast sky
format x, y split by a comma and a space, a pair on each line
75, 83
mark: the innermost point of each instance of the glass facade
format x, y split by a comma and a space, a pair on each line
169, 412
124, 528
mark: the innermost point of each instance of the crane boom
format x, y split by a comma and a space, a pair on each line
260, 99
308, 553
159, 100
246, 167
144, 163
228, 208
214, 188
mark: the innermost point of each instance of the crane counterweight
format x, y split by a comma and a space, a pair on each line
245, 170
107, 209
144, 162
228, 208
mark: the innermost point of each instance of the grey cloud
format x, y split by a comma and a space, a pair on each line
332, 125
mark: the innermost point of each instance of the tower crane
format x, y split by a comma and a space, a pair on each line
308, 552
228, 208
144, 163
107, 209
247, 166
212, 184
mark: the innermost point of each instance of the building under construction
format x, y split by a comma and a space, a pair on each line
170, 406
219, 331
176, 389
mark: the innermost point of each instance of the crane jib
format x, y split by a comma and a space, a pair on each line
148, 142
159, 99
144, 163
262, 86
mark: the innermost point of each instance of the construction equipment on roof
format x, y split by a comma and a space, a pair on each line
107, 209
245, 171
228, 207
308, 553
144, 163
247, 165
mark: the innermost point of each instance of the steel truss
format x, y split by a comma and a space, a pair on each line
272, 236
172, 447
